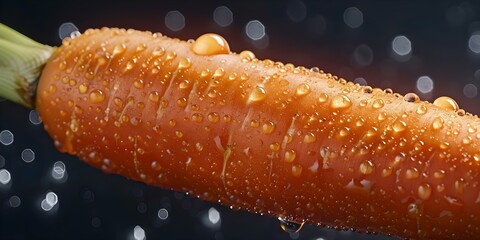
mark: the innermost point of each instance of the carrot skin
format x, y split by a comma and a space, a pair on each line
263, 136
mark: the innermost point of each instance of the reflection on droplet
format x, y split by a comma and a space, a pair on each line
6, 137
446, 103
290, 226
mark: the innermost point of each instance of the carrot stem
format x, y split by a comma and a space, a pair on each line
21, 63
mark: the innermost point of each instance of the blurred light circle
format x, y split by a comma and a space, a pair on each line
424, 84
6, 137
363, 55
51, 199
174, 20
296, 11
28, 155
213, 215
2, 161
14, 201
34, 118
5, 176
316, 25
353, 17
255, 30
138, 233
66, 29
401, 45
474, 43
223, 16
163, 214
470, 90
361, 81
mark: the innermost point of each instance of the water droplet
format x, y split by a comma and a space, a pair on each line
184, 84
302, 90
247, 55
382, 116
213, 117
290, 155
182, 102
446, 103
378, 103
309, 138
184, 63
472, 129
258, 94
422, 109
297, 170
424, 191
460, 186
210, 44
197, 117
82, 88
437, 123
170, 56
120, 48
367, 167
340, 102
322, 98
96, 96
412, 173
344, 132
219, 73
154, 96
275, 147
138, 84
444, 145
158, 51
411, 97
268, 127
399, 126
413, 210
439, 174
290, 226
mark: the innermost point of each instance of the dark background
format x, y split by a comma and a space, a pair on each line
93, 205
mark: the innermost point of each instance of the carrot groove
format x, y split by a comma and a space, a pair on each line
263, 136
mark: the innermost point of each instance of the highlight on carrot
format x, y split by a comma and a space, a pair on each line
289, 142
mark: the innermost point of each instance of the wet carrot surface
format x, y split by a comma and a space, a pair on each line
263, 136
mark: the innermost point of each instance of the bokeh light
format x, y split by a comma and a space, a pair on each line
175, 21
223, 16
353, 17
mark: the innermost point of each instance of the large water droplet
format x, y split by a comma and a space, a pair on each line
340, 102
258, 94
437, 123
96, 96
367, 167
210, 44
290, 155
302, 90
268, 127
424, 191
446, 103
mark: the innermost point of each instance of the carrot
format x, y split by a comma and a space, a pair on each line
262, 136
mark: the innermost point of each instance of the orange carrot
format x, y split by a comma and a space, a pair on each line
262, 136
